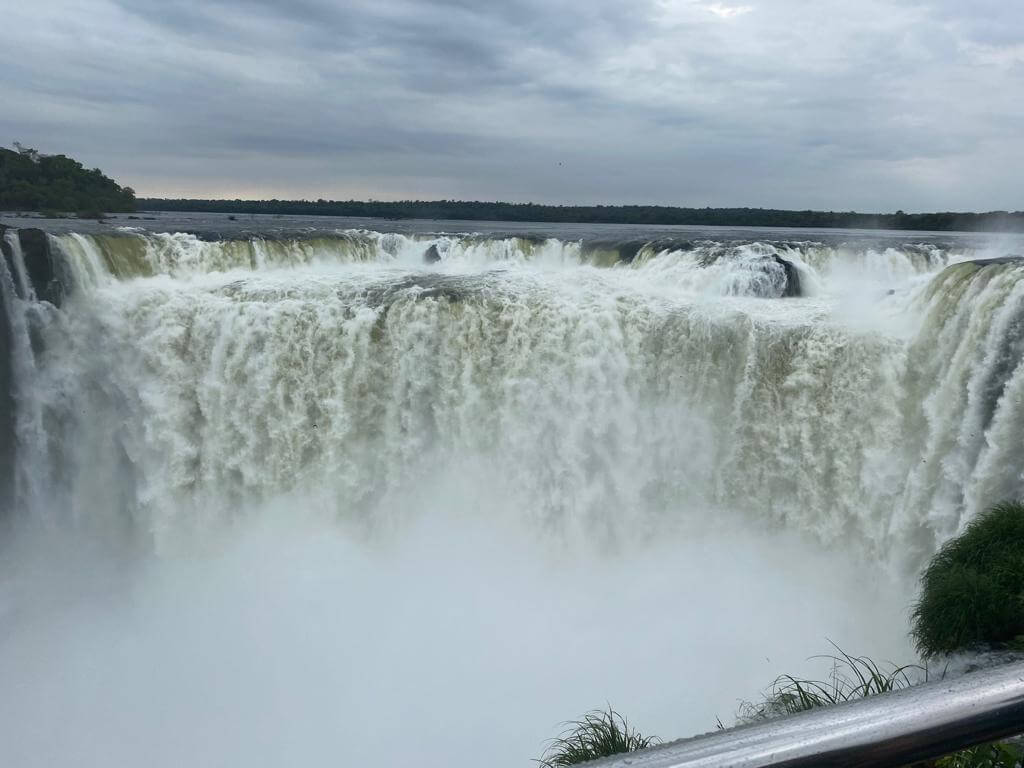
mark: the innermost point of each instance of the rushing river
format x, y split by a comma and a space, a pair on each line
309, 492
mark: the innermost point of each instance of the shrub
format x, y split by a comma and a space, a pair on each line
599, 734
972, 592
986, 756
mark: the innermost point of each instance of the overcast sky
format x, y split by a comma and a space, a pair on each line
842, 104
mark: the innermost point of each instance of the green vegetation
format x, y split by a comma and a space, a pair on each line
30, 180
858, 677
852, 677
602, 733
599, 734
972, 592
972, 595
985, 756
996, 221
33, 181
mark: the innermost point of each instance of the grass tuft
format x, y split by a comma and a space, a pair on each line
986, 756
972, 592
857, 677
852, 677
599, 733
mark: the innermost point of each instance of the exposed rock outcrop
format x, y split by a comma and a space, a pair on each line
7, 436
1008, 259
792, 288
45, 271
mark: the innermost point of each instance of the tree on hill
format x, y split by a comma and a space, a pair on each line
30, 180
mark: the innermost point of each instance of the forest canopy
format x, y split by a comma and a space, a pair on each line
995, 221
30, 180
33, 181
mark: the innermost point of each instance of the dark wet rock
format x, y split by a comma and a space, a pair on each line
432, 256
629, 250
1008, 259
675, 244
7, 436
625, 250
1004, 362
5, 248
1009, 350
45, 270
492, 237
978, 659
429, 285
7, 457
792, 288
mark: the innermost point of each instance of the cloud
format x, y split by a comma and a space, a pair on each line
877, 105
728, 11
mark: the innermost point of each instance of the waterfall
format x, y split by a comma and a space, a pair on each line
347, 497
607, 401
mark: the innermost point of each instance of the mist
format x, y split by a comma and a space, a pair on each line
457, 640
309, 500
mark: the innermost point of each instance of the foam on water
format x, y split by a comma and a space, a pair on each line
315, 500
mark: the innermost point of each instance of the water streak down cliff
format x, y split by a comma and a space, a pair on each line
608, 389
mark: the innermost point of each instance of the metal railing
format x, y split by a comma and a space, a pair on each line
886, 731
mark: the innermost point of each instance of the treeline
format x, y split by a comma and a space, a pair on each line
32, 181
995, 221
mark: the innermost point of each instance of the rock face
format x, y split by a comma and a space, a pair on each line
45, 271
1010, 259
1006, 356
5, 248
432, 256
7, 436
49, 278
792, 278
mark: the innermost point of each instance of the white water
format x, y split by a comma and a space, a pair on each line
18, 298
315, 502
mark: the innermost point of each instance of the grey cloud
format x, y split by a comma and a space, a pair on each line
882, 104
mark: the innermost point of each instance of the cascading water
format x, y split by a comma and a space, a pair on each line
20, 424
391, 467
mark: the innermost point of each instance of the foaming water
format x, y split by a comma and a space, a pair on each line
603, 394
353, 496
299, 641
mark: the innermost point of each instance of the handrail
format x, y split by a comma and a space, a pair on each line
885, 731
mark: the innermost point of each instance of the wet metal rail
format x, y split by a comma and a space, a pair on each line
890, 730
